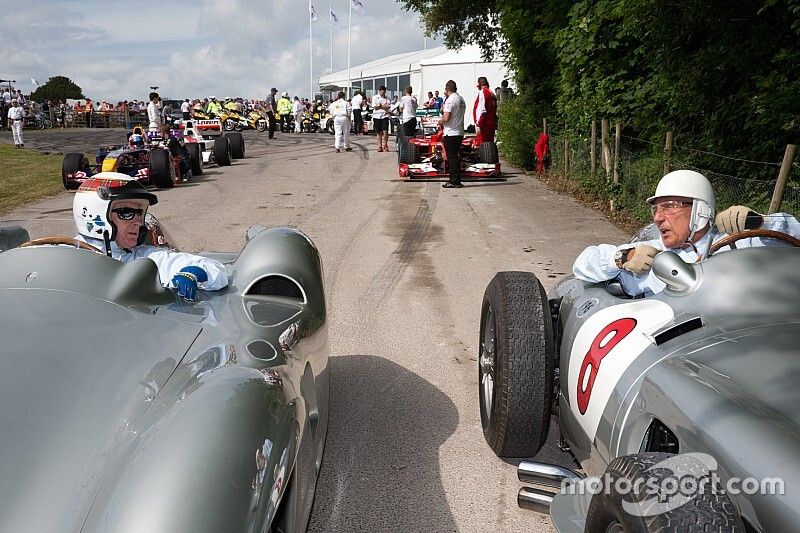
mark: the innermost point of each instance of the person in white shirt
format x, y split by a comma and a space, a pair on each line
297, 111
340, 110
683, 209
380, 118
358, 122
452, 122
154, 112
109, 211
186, 110
15, 116
408, 104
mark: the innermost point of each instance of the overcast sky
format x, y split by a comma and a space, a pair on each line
115, 49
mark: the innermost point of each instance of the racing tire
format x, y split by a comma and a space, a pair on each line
329, 127
261, 125
222, 151
487, 153
516, 362
195, 158
407, 152
707, 510
161, 168
237, 145
71, 164
47, 123
228, 125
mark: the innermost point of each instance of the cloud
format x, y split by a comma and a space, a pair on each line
190, 48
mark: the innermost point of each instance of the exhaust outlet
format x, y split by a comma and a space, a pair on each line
534, 499
546, 475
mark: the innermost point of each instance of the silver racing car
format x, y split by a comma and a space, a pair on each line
680, 408
125, 408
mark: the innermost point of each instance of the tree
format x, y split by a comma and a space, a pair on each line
57, 88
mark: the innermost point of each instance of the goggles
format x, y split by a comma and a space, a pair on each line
128, 213
668, 208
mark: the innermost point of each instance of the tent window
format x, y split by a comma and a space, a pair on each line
405, 81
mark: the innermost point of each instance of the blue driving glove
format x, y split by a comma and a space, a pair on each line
187, 279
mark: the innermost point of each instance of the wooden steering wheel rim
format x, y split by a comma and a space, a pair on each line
746, 234
57, 239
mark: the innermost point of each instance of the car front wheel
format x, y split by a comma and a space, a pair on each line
516, 362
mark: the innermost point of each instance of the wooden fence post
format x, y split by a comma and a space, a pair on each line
544, 125
606, 151
617, 142
592, 156
566, 158
783, 175
667, 152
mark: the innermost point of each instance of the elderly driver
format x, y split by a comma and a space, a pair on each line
109, 212
683, 210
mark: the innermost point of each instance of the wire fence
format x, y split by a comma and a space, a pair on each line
641, 165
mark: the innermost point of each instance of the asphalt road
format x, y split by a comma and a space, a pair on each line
406, 265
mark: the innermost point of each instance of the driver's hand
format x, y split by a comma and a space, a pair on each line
738, 218
187, 279
640, 259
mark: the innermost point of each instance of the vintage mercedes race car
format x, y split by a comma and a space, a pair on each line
125, 407
692, 387
425, 157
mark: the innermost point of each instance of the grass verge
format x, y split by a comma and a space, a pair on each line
26, 176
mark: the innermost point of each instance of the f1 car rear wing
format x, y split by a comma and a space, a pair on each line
202, 128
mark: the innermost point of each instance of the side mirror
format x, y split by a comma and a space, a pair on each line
681, 278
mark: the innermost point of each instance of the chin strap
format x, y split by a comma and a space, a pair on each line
107, 242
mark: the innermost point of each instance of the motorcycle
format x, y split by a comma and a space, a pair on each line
308, 124
40, 121
233, 120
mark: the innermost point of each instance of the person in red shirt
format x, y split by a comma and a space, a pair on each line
484, 113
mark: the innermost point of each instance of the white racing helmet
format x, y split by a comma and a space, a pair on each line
92, 204
285, 94
689, 184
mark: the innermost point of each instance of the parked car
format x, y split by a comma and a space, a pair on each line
698, 379
124, 406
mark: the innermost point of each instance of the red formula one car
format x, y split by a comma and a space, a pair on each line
425, 157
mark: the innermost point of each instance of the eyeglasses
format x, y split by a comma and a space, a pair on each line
668, 208
128, 213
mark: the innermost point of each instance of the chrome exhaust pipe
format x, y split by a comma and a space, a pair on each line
546, 475
534, 499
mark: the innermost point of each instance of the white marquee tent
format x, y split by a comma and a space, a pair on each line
425, 71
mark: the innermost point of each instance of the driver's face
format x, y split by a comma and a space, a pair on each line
673, 223
127, 230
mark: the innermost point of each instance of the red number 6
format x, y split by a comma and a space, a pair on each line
618, 330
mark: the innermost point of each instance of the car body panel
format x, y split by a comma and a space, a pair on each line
124, 403
724, 386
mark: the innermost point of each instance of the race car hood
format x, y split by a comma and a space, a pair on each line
77, 372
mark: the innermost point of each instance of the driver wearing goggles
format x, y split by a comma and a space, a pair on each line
683, 209
109, 212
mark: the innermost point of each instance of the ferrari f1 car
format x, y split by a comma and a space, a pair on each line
425, 157
683, 394
125, 407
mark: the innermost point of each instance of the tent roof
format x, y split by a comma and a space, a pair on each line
394, 64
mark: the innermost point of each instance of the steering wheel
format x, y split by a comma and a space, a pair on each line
56, 239
739, 235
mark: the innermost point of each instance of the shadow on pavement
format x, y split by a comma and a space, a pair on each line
380, 471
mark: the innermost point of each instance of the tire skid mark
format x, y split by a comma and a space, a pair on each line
412, 241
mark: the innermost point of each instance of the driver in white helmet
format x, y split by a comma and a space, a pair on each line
683, 209
109, 211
